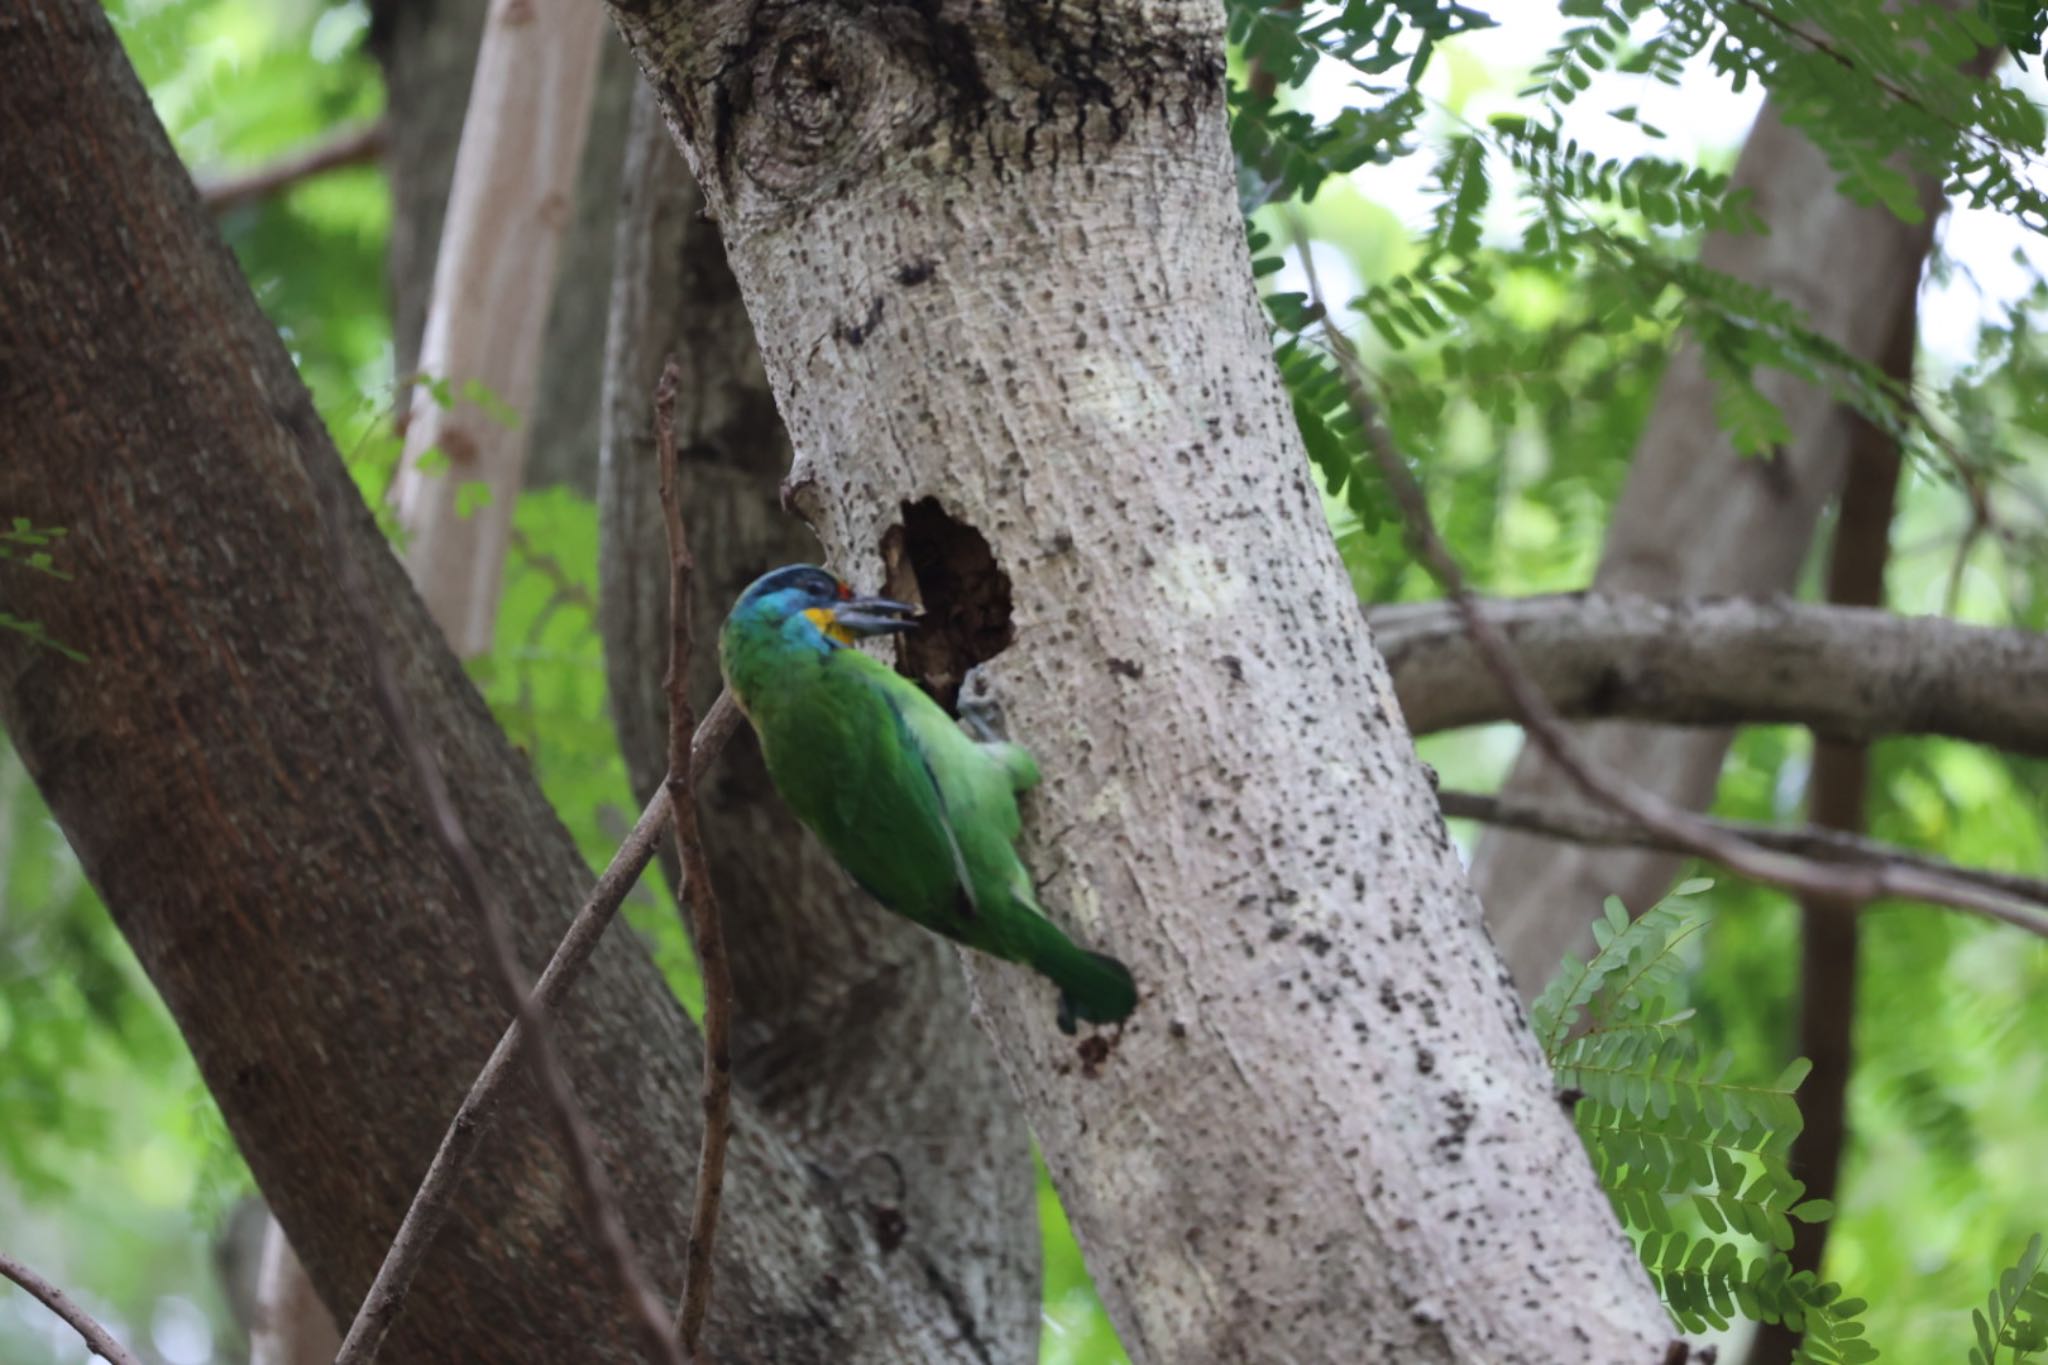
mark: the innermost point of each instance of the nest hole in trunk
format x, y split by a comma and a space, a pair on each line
947, 567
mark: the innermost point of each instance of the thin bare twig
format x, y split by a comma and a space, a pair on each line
2026, 898
430, 1203
1684, 830
706, 930
97, 1338
600, 1203
348, 147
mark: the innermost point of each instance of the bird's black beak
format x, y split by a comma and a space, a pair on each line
875, 616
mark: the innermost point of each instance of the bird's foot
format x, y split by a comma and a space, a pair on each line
981, 715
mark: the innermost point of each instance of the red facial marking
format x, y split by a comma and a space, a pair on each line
845, 593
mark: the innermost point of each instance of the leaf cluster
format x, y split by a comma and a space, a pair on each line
2013, 1324
1694, 1160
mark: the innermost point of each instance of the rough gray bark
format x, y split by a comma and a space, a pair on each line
220, 768
428, 54
1847, 673
853, 1025
1695, 518
995, 264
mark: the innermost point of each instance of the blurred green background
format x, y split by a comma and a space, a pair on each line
116, 1175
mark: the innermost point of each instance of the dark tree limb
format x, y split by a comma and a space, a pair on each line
699, 897
1829, 930
2023, 900
345, 147
1848, 673
97, 1338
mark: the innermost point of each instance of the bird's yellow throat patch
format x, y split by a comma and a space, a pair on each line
827, 622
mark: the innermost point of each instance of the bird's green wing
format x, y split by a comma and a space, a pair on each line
970, 789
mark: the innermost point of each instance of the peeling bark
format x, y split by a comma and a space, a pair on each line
994, 260
1847, 673
853, 1026
1695, 518
219, 766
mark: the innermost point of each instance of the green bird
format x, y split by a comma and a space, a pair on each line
922, 815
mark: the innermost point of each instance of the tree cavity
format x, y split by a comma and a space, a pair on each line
947, 567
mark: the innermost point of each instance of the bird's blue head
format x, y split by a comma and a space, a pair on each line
804, 604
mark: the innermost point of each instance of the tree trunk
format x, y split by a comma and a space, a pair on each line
1697, 519
494, 278
428, 55
853, 1026
1835, 800
220, 767
999, 279
292, 1326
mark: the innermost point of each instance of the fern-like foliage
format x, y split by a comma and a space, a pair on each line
1286, 39
1284, 153
1587, 48
2019, 24
1694, 1160
2012, 1327
1873, 84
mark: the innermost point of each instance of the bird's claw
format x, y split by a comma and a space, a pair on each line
981, 715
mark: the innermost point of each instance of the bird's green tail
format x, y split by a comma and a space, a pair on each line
1093, 986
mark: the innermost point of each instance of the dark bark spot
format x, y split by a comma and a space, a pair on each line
948, 568
1127, 668
889, 1226
956, 1306
1093, 1051
912, 273
857, 333
1607, 692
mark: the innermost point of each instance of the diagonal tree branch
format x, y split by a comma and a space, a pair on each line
1670, 822
700, 898
429, 1207
240, 804
2025, 898
1696, 517
225, 190
98, 1338
1847, 673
